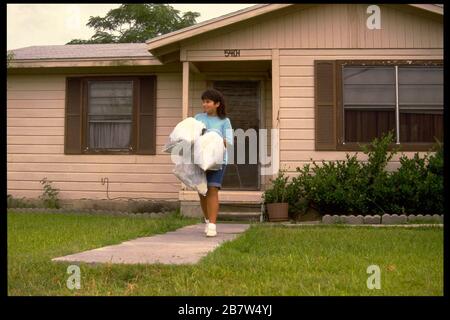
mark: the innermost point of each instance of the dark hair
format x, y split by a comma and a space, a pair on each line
216, 96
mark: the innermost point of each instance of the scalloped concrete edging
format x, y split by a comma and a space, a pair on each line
384, 219
90, 211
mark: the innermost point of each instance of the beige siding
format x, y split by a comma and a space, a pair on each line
197, 86
297, 100
35, 140
326, 26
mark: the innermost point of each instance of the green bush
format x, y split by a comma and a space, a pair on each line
436, 161
334, 186
377, 186
18, 202
277, 192
50, 195
284, 191
418, 185
295, 196
356, 187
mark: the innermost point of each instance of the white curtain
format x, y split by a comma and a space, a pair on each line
109, 135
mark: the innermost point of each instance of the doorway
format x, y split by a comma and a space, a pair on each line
243, 107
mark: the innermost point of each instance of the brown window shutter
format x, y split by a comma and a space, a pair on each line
325, 104
146, 132
73, 116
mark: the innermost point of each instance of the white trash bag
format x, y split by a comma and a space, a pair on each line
209, 151
187, 130
176, 148
192, 176
168, 147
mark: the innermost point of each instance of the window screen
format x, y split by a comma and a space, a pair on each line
110, 112
421, 102
369, 102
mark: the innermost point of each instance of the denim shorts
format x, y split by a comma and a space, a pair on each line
215, 177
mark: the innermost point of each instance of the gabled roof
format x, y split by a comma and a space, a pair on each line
141, 50
237, 16
213, 24
77, 51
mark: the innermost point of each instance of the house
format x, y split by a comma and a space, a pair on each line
325, 75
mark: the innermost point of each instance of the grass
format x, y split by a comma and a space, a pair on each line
265, 260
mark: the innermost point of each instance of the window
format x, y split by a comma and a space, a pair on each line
368, 101
359, 100
110, 115
421, 103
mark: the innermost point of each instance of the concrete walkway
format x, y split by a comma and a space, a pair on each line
186, 245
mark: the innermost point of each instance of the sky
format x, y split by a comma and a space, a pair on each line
57, 24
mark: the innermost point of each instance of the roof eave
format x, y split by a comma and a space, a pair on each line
84, 62
429, 7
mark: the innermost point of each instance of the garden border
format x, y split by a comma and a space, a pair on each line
90, 211
385, 219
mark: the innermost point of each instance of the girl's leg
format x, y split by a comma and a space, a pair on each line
212, 201
204, 205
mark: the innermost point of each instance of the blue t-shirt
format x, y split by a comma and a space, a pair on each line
220, 126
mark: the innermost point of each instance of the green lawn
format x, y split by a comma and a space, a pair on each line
265, 260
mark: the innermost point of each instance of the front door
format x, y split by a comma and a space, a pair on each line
242, 100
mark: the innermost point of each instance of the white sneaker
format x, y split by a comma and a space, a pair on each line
206, 225
211, 231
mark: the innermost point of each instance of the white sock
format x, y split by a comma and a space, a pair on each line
206, 221
212, 225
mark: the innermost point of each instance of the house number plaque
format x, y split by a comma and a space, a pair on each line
232, 52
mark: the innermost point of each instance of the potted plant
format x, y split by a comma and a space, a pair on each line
275, 198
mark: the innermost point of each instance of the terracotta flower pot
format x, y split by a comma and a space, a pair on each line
278, 211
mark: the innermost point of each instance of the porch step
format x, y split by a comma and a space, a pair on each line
239, 207
239, 216
225, 196
227, 211
234, 205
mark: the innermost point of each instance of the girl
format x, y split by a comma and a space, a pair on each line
214, 117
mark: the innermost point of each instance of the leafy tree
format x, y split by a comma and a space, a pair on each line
135, 23
9, 58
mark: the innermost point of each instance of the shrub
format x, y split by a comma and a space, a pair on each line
18, 202
282, 190
418, 185
436, 161
50, 195
277, 192
335, 186
352, 186
377, 180
295, 196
